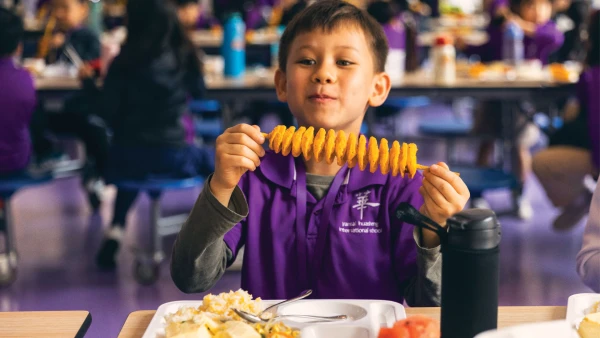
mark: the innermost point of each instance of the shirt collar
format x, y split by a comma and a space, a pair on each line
281, 170
7, 60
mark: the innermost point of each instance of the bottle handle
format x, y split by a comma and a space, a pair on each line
408, 214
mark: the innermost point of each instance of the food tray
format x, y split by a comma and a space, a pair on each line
552, 329
368, 316
579, 305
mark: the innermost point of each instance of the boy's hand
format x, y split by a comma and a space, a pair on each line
238, 150
445, 194
58, 39
86, 71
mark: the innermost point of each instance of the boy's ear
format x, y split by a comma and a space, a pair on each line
381, 88
281, 85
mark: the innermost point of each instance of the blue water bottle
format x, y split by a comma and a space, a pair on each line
512, 45
233, 49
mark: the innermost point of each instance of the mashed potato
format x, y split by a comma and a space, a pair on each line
216, 319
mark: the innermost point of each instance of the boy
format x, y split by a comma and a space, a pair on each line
70, 17
75, 119
332, 57
17, 98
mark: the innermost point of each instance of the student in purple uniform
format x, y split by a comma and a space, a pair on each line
144, 97
17, 98
331, 58
541, 39
75, 118
574, 150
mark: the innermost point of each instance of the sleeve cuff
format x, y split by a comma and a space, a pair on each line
430, 252
238, 206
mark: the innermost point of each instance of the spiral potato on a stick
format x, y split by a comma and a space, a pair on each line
329, 146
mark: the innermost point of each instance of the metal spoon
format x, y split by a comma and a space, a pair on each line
273, 308
315, 319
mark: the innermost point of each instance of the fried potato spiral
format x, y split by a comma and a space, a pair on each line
329, 146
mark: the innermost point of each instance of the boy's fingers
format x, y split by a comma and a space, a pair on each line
241, 161
444, 187
245, 140
435, 195
438, 171
249, 130
245, 151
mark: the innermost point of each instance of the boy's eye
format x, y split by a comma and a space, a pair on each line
344, 63
307, 62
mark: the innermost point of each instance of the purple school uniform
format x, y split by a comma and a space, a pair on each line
347, 247
395, 34
545, 41
588, 90
17, 102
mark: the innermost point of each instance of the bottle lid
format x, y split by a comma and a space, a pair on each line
474, 229
442, 40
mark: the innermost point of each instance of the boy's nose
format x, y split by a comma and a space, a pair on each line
323, 76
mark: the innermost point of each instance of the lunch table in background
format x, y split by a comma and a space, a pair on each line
138, 321
46, 324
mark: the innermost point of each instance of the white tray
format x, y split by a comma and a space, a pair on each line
553, 329
368, 317
579, 306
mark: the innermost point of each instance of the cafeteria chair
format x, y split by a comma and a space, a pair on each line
8, 187
146, 266
208, 124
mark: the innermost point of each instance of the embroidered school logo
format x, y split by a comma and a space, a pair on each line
362, 202
370, 226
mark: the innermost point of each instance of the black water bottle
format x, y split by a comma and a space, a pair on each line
470, 269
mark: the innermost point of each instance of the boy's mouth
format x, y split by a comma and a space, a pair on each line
321, 98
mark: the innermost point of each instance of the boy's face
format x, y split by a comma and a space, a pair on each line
188, 15
69, 13
330, 79
536, 11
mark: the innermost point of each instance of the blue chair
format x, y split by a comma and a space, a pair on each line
207, 119
479, 180
146, 266
449, 129
8, 187
407, 102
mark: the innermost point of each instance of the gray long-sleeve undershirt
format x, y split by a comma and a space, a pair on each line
200, 255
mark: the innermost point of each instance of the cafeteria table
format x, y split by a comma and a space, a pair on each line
47, 324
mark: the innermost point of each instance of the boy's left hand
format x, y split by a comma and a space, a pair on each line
445, 194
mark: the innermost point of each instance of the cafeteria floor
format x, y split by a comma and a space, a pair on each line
57, 237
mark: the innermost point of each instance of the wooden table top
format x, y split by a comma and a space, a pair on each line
48, 324
138, 321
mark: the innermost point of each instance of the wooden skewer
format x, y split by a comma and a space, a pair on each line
419, 166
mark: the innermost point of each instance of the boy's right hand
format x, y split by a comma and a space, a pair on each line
238, 150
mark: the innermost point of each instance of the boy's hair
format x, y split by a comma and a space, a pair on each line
593, 50
11, 32
515, 5
327, 15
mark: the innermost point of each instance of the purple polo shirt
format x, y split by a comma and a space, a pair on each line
17, 102
361, 253
544, 42
395, 34
588, 93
